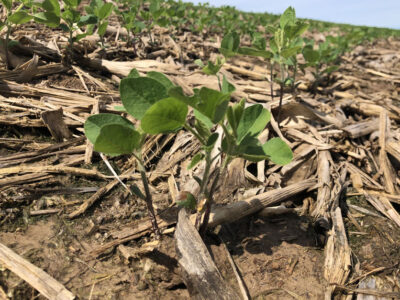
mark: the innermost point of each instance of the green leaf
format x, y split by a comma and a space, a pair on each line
48, 18
212, 139
234, 114
166, 115
137, 192
117, 139
203, 119
278, 151
230, 44
71, 3
177, 93
86, 20
64, 27
161, 78
310, 55
102, 28
253, 121
227, 87
20, 17
195, 160
288, 17
251, 149
120, 108
213, 104
94, 123
289, 52
7, 4
139, 94
255, 52
52, 6
105, 10
133, 74
203, 129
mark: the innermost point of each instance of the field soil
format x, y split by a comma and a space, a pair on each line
62, 210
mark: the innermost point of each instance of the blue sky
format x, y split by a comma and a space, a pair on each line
379, 13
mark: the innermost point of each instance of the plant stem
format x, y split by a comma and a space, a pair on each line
281, 96
6, 46
203, 186
192, 131
148, 197
272, 81
210, 198
219, 83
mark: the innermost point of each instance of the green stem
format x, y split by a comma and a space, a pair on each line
272, 81
203, 186
8, 64
148, 197
210, 193
281, 95
219, 82
192, 131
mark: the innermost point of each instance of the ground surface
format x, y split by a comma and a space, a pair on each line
279, 257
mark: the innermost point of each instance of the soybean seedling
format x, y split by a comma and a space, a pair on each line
128, 19
102, 10
14, 17
163, 108
71, 17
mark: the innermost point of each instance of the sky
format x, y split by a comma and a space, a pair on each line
377, 13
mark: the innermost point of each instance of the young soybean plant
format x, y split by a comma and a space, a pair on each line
14, 17
102, 10
163, 108
285, 44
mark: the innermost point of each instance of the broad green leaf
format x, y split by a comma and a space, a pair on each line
102, 28
255, 52
105, 10
234, 114
227, 87
253, 121
64, 27
278, 151
260, 43
86, 20
310, 55
71, 3
213, 104
7, 4
203, 119
117, 139
139, 94
166, 115
20, 17
161, 78
177, 93
230, 44
94, 123
203, 129
296, 30
289, 52
195, 160
133, 74
52, 6
48, 18
288, 17
251, 149
120, 108
212, 139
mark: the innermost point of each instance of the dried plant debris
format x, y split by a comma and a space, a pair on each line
324, 225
